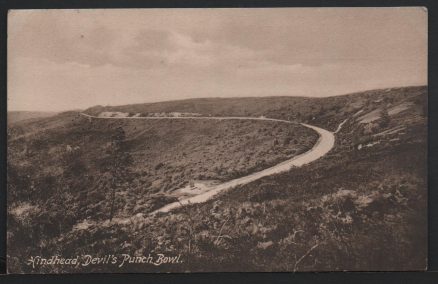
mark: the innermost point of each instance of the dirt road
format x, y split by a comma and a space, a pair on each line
324, 144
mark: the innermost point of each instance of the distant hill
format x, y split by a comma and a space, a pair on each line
14, 116
327, 112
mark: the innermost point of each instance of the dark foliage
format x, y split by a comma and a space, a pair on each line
361, 207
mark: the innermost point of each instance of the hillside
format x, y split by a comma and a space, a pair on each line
70, 163
327, 112
360, 207
15, 116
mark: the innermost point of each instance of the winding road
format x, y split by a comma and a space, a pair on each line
324, 144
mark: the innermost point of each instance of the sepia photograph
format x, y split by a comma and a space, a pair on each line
217, 140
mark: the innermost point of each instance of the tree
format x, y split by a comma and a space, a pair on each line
424, 108
321, 111
118, 162
68, 187
384, 119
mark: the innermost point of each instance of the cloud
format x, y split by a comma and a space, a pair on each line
283, 36
77, 58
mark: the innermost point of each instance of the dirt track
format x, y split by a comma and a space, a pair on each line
324, 144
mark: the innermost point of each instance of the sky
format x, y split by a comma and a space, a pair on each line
73, 59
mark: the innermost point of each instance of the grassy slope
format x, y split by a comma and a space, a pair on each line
58, 177
352, 210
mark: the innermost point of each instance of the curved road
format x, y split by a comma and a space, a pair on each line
324, 144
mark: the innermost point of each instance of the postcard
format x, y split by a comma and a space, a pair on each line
217, 140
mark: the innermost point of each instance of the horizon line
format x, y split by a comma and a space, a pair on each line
219, 97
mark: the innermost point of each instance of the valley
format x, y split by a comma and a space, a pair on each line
92, 182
